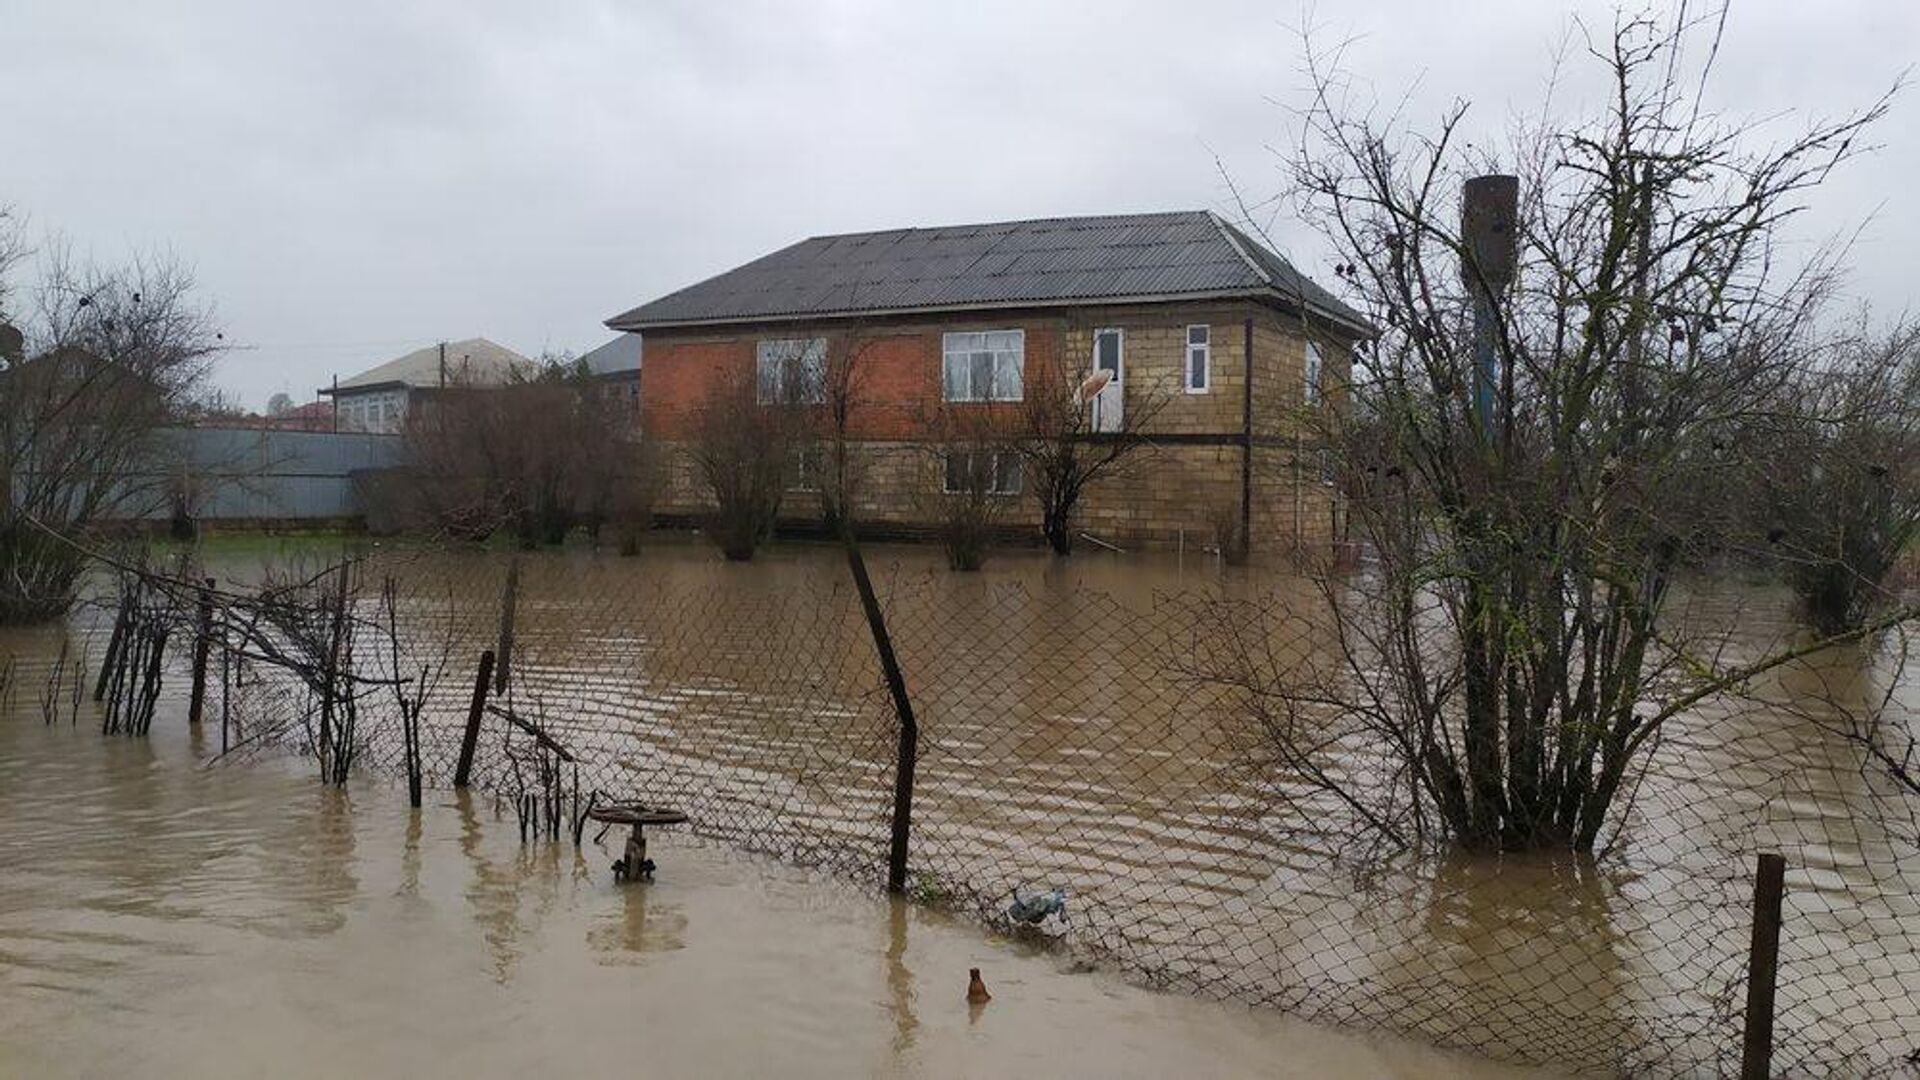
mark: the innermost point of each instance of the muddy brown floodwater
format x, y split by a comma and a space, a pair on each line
162, 919
242, 920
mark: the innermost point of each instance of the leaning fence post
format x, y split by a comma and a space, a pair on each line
202, 642
478, 705
508, 597
1763, 960
909, 729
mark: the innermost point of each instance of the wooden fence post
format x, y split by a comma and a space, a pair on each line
1763, 960
115, 644
202, 642
332, 674
475, 708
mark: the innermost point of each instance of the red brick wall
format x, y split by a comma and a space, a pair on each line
899, 371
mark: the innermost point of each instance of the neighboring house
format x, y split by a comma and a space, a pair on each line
378, 400
313, 416
116, 390
1236, 345
617, 367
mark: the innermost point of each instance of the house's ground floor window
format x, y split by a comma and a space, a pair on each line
993, 472
804, 470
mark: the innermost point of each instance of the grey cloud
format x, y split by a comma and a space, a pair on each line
355, 179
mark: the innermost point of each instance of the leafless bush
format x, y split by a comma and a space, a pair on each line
979, 475
742, 450
1843, 487
630, 504
536, 457
1229, 533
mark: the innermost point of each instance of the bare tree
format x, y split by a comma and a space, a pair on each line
1064, 449
107, 356
1498, 674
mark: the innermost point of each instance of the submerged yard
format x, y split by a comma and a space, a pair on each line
203, 914
163, 919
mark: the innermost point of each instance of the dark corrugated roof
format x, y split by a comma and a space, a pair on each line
620, 354
1050, 261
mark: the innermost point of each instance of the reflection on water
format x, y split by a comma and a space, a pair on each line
900, 979
164, 920
643, 923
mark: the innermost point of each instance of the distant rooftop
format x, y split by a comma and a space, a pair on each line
474, 362
620, 354
1126, 258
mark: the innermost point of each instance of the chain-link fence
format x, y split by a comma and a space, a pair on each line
1065, 744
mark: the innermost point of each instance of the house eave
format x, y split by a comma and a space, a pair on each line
1264, 295
365, 388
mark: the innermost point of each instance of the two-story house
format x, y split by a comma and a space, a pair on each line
1230, 348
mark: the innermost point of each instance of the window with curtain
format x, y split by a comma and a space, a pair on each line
984, 366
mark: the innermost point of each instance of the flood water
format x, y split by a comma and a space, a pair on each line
163, 919
1056, 751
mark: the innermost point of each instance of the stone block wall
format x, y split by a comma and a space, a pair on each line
1173, 493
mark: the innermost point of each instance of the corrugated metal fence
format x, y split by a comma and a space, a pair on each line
230, 474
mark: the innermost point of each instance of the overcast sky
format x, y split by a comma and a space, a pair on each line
353, 180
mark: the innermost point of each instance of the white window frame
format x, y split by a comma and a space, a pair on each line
1008, 364
1005, 463
1313, 367
806, 387
1205, 347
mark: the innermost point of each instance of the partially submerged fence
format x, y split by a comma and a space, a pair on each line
1064, 744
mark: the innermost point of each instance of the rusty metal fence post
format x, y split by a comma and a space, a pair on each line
1763, 960
909, 746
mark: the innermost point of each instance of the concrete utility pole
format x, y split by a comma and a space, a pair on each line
443, 365
1488, 207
